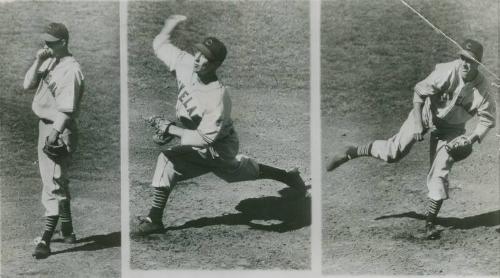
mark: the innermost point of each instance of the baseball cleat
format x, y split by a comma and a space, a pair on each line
42, 250
347, 153
147, 227
69, 239
295, 181
431, 232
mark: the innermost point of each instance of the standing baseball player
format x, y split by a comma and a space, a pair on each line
208, 141
443, 102
58, 80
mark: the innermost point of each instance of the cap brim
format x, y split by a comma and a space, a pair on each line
467, 54
49, 38
203, 49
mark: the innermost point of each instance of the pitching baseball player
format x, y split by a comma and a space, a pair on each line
208, 140
58, 80
443, 102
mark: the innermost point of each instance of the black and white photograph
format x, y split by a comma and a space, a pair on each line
250, 138
60, 139
410, 148
219, 135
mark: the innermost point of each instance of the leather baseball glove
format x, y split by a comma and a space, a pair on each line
56, 151
459, 148
160, 126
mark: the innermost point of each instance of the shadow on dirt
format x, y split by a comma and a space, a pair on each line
488, 219
275, 214
94, 243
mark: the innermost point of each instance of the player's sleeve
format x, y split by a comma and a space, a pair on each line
486, 112
168, 53
33, 76
210, 127
433, 84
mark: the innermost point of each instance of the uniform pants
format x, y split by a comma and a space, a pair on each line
54, 175
399, 145
183, 162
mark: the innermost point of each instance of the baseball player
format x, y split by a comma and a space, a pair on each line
58, 80
208, 140
443, 102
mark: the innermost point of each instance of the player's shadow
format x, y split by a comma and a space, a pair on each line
93, 243
488, 219
276, 214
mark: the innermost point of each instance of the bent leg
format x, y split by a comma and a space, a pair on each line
396, 147
437, 178
174, 165
243, 168
178, 164
240, 168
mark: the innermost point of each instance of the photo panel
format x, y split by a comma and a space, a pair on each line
400, 81
234, 78
60, 139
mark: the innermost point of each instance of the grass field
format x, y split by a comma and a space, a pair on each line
212, 224
373, 53
95, 172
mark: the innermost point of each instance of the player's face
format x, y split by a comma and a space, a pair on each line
200, 62
202, 65
468, 68
56, 46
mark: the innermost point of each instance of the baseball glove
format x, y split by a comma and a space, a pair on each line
459, 148
56, 151
160, 126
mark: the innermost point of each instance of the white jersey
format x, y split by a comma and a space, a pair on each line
60, 89
205, 109
452, 102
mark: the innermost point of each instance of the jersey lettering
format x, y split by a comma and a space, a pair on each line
185, 98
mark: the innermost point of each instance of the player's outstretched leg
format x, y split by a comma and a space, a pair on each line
67, 232
430, 219
290, 177
346, 154
42, 249
153, 223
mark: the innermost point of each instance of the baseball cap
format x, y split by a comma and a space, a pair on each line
472, 49
212, 48
55, 31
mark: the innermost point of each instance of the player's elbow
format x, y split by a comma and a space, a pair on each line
158, 41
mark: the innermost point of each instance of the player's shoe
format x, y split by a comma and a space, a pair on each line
147, 226
295, 181
69, 239
431, 232
42, 250
341, 157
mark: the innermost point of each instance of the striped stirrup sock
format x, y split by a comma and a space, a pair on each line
50, 226
65, 216
364, 150
160, 197
433, 208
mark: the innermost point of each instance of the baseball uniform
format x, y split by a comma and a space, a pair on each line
60, 90
209, 142
205, 110
448, 104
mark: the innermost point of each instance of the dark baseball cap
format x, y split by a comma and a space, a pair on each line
55, 32
472, 50
213, 49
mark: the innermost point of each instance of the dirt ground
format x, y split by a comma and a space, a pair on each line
373, 54
212, 224
95, 173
